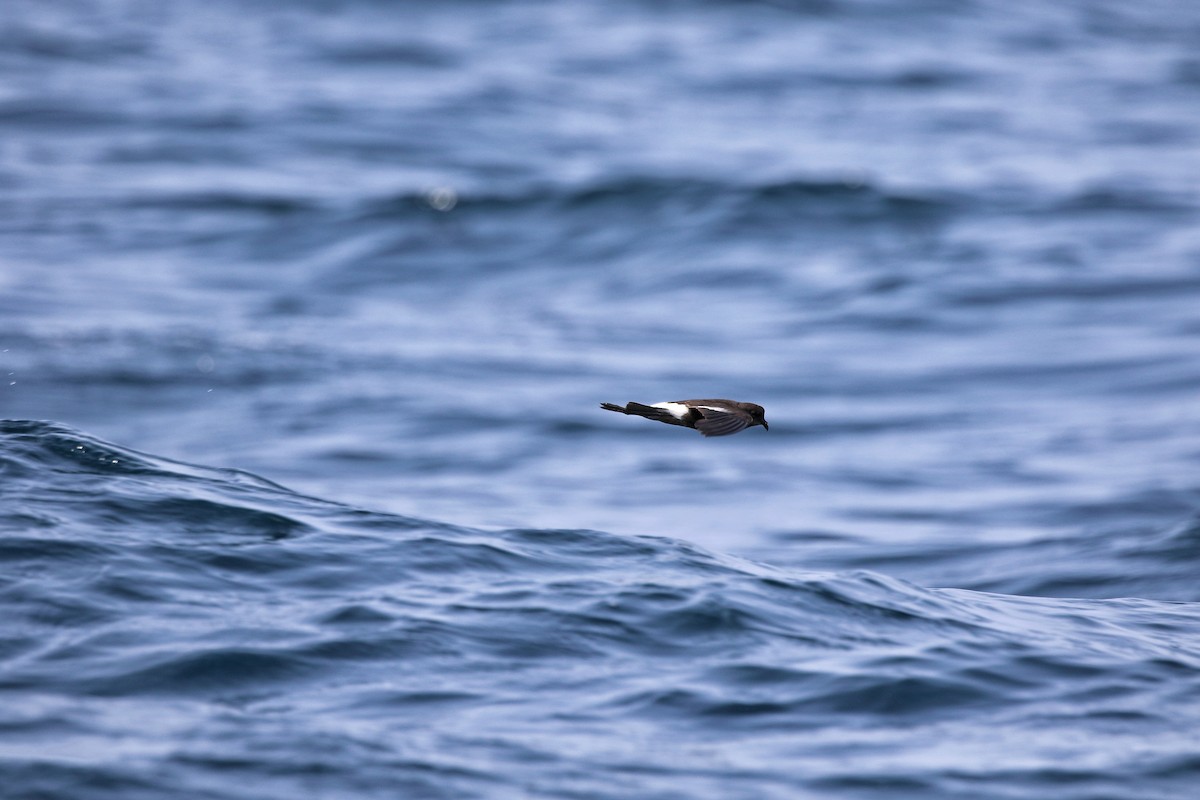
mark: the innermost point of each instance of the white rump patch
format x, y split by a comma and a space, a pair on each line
676, 410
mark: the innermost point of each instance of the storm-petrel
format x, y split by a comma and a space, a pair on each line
710, 417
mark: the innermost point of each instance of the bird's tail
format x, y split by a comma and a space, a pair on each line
654, 413
649, 412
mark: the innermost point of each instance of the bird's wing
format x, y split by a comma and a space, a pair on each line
719, 422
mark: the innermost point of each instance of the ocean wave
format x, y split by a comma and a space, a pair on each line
182, 591
93, 500
850, 195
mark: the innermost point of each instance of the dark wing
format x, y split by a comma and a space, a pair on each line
717, 422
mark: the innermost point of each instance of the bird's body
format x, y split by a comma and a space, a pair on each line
710, 417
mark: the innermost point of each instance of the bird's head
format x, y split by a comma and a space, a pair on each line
757, 414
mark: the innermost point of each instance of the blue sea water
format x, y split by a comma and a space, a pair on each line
307, 308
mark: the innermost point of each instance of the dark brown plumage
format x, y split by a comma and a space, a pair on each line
710, 417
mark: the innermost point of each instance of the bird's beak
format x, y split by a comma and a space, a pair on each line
765, 428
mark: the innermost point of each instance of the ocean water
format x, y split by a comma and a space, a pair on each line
307, 309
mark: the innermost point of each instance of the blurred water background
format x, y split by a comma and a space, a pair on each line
392, 256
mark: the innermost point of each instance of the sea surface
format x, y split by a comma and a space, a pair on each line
307, 309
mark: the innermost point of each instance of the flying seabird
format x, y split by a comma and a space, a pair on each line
710, 417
